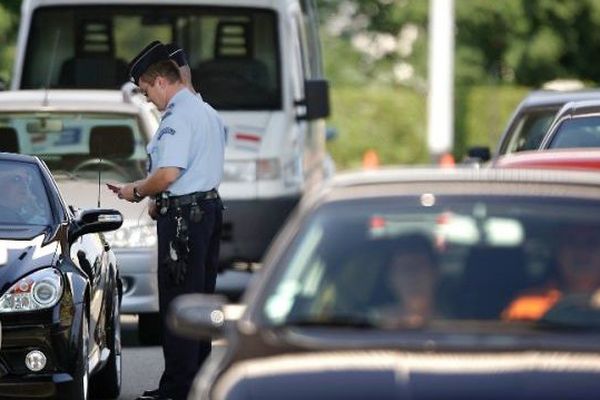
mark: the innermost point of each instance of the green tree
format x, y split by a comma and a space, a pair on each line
526, 42
9, 12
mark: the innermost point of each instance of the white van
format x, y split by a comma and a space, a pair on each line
257, 61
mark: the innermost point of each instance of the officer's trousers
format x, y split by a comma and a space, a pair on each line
184, 357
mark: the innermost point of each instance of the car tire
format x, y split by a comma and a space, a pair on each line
106, 384
78, 388
149, 329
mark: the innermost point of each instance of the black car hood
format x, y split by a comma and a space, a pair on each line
398, 375
21, 232
19, 257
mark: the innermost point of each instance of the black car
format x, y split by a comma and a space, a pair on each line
60, 290
416, 284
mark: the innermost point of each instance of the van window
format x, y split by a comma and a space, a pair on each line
233, 52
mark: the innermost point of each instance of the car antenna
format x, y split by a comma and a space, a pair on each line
51, 69
99, 178
100, 171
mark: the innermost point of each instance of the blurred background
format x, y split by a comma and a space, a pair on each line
376, 53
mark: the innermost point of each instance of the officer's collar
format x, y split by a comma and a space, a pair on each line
180, 93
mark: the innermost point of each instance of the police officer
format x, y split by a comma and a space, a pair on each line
185, 169
179, 57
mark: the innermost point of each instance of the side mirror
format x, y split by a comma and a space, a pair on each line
316, 99
95, 220
197, 316
479, 153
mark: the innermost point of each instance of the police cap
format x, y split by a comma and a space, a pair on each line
151, 54
177, 54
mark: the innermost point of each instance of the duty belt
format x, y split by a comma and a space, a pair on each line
165, 201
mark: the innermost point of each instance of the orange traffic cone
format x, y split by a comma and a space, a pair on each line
447, 161
370, 159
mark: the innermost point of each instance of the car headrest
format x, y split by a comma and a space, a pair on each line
233, 40
9, 140
112, 141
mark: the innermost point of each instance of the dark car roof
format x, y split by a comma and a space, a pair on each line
550, 97
19, 157
579, 108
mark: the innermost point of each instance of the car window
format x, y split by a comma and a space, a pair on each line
489, 260
24, 199
79, 144
577, 132
529, 130
233, 52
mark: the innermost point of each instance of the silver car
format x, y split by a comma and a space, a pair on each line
84, 137
87, 136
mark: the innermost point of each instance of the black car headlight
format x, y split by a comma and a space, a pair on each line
39, 290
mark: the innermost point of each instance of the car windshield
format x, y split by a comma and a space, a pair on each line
514, 262
78, 145
232, 51
529, 129
577, 132
24, 199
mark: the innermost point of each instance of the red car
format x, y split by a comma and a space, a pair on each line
581, 159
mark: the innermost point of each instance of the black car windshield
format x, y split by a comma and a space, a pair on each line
24, 199
232, 52
514, 262
78, 145
577, 132
529, 129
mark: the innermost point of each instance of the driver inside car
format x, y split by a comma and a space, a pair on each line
412, 278
18, 204
577, 273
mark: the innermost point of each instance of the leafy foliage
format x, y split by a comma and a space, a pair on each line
392, 121
8, 28
527, 42
388, 120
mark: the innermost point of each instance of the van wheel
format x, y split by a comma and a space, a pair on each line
106, 384
149, 329
78, 388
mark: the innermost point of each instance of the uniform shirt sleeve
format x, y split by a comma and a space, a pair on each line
173, 141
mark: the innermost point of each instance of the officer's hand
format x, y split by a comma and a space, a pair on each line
126, 193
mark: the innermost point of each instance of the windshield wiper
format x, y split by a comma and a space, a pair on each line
336, 321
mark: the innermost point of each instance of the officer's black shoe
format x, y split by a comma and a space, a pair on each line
154, 392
